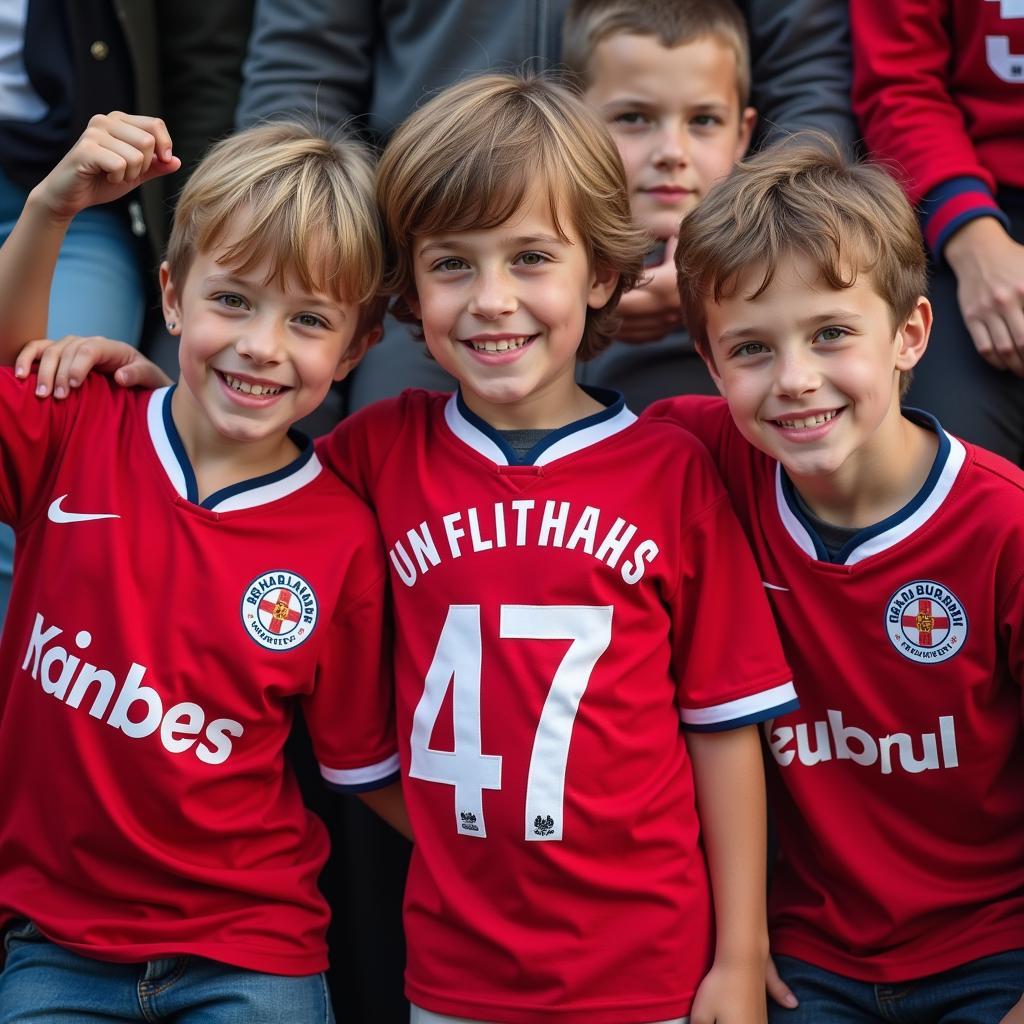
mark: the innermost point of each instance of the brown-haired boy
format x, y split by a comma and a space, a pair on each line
671, 81
894, 557
188, 576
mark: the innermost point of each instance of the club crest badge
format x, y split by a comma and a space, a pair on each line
925, 622
279, 610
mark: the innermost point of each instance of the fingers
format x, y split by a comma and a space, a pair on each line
139, 372
28, 355
127, 146
778, 990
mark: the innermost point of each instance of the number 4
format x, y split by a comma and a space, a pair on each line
456, 662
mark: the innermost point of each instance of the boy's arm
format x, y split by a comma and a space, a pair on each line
115, 153
729, 777
389, 804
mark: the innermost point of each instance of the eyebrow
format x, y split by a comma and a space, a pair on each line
517, 242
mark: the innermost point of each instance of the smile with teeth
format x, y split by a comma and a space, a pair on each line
806, 422
248, 388
500, 345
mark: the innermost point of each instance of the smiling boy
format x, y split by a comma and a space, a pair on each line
894, 557
560, 603
188, 576
671, 82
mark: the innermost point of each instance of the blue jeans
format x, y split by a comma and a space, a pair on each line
978, 992
43, 983
98, 288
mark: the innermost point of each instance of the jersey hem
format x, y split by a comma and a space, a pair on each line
901, 969
232, 954
619, 1014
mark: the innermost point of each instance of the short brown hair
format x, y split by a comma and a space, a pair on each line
672, 22
801, 198
302, 197
467, 159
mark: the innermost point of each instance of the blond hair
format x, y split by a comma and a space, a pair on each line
467, 159
671, 22
801, 198
298, 197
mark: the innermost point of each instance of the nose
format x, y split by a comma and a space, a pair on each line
671, 148
796, 372
493, 295
261, 341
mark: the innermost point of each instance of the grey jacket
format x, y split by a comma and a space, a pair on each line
375, 60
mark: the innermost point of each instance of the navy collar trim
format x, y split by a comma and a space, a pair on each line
573, 437
259, 490
890, 531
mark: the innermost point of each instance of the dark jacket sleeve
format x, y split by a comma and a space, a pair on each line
801, 68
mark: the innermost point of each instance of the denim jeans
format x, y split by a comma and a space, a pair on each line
978, 992
43, 983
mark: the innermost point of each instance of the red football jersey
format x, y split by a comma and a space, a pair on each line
900, 783
554, 621
152, 656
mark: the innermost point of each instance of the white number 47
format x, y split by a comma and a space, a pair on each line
457, 660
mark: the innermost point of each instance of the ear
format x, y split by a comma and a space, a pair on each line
355, 351
602, 283
748, 118
170, 300
412, 300
912, 336
709, 362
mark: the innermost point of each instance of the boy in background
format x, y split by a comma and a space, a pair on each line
188, 575
671, 81
894, 557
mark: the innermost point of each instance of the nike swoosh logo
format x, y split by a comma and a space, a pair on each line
773, 586
57, 515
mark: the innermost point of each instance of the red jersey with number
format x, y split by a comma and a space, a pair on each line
900, 783
153, 653
558, 618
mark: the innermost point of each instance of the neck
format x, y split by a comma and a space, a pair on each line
218, 461
875, 484
540, 410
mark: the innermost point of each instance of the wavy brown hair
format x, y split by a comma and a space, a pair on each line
467, 159
801, 198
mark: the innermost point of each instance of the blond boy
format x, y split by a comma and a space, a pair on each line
894, 557
188, 574
671, 81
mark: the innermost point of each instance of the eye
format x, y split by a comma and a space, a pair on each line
231, 300
749, 348
532, 259
631, 119
450, 264
311, 320
832, 333
706, 120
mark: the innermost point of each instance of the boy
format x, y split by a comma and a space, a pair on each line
671, 81
566, 584
155, 856
894, 557
555, 616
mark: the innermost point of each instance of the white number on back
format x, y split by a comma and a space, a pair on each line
457, 663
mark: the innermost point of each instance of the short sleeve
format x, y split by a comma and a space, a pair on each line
350, 714
728, 659
32, 436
